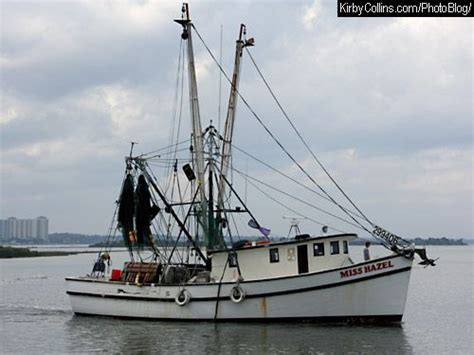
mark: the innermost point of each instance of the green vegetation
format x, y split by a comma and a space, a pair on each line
10, 252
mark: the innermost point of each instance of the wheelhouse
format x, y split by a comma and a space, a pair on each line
261, 260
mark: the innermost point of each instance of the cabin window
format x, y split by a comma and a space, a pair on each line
274, 256
232, 258
345, 247
334, 247
318, 249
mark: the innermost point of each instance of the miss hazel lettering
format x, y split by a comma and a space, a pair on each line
366, 269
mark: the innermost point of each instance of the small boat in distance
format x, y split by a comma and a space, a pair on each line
187, 259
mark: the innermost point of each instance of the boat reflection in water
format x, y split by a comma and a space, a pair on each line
222, 338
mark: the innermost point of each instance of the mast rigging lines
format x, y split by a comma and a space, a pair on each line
357, 218
285, 150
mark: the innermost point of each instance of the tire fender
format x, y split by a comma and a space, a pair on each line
237, 294
182, 297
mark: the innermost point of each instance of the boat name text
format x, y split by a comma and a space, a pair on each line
366, 269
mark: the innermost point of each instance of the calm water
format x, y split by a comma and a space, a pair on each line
35, 317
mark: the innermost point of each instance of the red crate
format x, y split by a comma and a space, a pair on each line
115, 275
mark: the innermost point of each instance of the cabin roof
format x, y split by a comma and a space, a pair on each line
350, 236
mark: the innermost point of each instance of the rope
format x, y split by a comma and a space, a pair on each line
216, 309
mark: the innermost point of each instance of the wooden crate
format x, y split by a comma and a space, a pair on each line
140, 272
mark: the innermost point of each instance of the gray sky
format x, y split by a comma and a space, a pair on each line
385, 103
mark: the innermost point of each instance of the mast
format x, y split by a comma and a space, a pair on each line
211, 230
197, 139
215, 237
231, 109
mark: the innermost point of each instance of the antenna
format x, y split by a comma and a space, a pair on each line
294, 224
132, 143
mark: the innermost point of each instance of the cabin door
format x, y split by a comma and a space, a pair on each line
302, 259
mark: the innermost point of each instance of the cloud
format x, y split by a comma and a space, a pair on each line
367, 84
406, 194
386, 104
47, 54
311, 14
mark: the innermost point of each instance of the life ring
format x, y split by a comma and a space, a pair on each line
237, 294
182, 297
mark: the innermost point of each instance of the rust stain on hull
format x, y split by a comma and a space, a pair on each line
263, 307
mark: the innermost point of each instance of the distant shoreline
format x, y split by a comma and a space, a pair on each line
417, 241
101, 241
14, 252
422, 241
9, 252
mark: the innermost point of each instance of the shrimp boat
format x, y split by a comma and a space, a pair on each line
188, 260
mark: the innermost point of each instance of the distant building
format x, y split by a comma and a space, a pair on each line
42, 227
13, 228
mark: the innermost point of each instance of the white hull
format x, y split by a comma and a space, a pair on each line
358, 292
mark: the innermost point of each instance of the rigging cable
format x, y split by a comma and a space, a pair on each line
180, 105
303, 140
220, 86
295, 198
168, 231
293, 210
174, 109
167, 225
182, 228
144, 155
238, 198
287, 176
265, 127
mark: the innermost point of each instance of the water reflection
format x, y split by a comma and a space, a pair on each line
107, 334
36, 317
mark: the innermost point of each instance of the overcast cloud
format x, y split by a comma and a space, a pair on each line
386, 103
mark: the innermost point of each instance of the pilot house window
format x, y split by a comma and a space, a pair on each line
318, 249
334, 247
345, 247
274, 256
